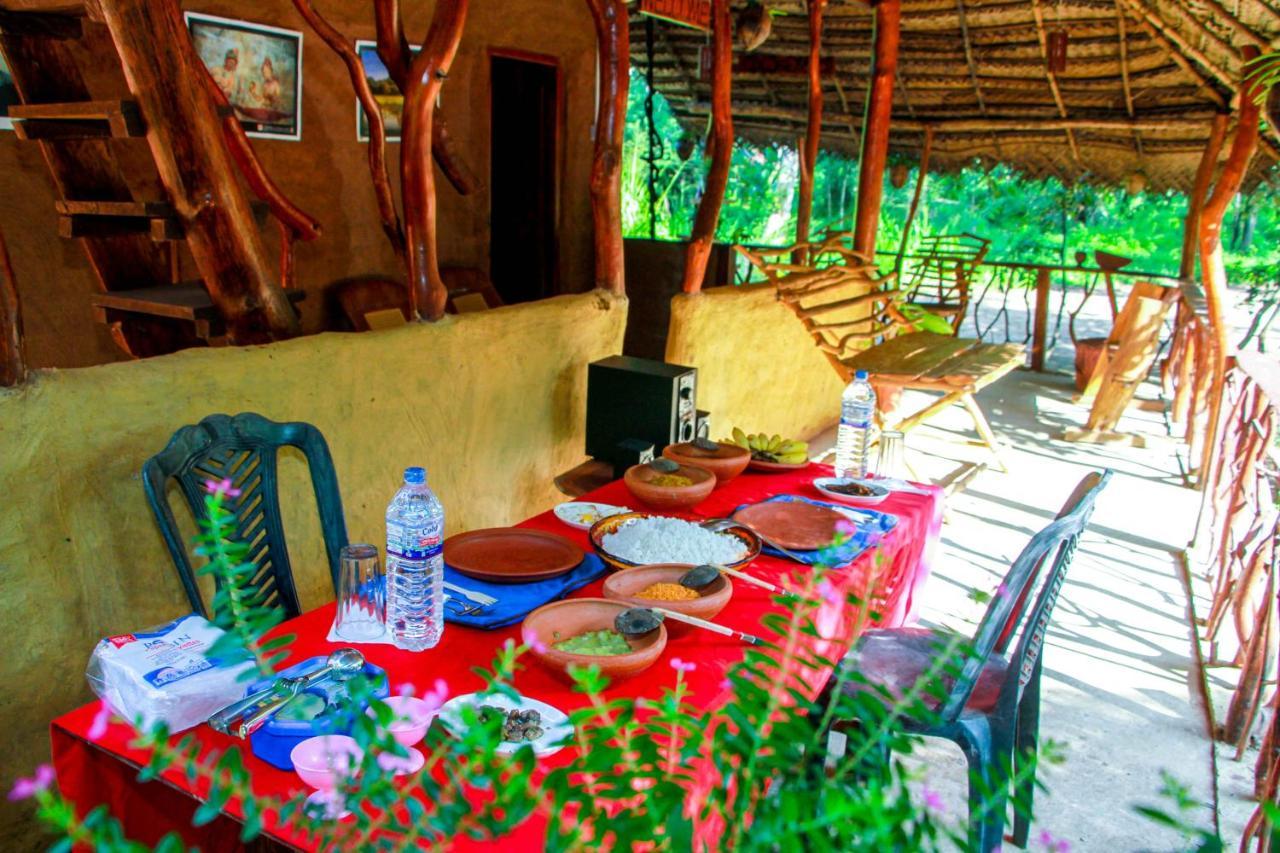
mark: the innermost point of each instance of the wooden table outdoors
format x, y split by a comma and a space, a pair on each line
104, 770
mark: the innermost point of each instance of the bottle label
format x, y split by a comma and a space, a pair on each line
413, 543
860, 423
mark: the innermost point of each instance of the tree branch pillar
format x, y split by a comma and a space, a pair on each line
1199, 192
875, 126
813, 133
614, 40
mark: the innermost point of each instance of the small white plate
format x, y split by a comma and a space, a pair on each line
583, 514
823, 485
556, 728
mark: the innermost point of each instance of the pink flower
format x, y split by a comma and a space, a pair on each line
933, 800
1002, 591
25, 789
536, 644
405, 689
828, 593
683, 666
98, 727
848, 528
436, 695
726, 684
1053, 845
221, 487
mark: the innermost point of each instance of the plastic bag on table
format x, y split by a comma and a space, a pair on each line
166, 674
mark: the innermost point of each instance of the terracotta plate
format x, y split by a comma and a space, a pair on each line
796, 525
767, 467
511, 554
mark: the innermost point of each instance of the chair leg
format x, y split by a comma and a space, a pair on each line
984, 429
986, 743
1026, 741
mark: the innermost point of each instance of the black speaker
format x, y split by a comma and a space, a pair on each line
633, 400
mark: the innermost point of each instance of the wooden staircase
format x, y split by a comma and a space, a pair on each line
148, 180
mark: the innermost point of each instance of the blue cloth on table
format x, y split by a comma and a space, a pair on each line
870, 527
516, 600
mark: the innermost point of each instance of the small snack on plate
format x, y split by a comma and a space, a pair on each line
518, 725
583, 514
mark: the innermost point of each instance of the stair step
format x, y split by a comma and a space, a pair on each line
188, 302
77, 120
161, 228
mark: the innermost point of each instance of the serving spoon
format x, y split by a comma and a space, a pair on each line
342, 665
719, 525
638, 621
701, 577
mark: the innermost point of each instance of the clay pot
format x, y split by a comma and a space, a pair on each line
558, 621
726, 462
638, 479
1088, 351
624, 585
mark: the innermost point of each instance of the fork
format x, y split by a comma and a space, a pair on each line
478, 597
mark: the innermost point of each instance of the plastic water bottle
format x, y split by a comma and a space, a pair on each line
415, 564
857, 416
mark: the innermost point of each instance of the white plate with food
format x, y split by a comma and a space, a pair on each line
544, 727
852, 490
583, 514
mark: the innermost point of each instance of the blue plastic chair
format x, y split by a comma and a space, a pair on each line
243, 449
975, 693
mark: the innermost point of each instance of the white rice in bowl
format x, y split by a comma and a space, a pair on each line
646, 541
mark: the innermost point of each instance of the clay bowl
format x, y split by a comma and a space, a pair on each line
624, 585
726, 461
560, 620
638, 479
605, 526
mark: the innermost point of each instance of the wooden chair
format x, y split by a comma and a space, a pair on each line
982, 693
1124, 361
243, 449
938, 279
867, 331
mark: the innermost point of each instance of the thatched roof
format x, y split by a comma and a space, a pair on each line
1142, 81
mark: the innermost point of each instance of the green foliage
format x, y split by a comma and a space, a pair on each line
1028, 220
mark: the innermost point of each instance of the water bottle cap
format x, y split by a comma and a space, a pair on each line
415, 475
861, 374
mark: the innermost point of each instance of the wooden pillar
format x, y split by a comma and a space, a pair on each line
613, 41
13, 364
1200, 191
813, 133
427, 291
1212, 268
875, 126
185, 135
1041, 331
915, 197
721, 149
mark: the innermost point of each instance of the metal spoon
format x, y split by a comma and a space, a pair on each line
717, 525
221, 720
638, 621
342, 665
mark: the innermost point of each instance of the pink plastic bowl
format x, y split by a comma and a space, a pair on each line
321, 761
413, 718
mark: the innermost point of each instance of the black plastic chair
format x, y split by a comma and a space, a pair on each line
243, 449
983, 699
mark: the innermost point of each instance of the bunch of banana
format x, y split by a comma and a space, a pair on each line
770, 448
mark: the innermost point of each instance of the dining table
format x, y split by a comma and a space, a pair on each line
96, 767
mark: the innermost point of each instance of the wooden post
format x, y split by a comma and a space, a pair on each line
614, 44
427, 291
915, 197
13, 364
185, 135
1212, 268
813, 133
875, 126
1199, 191
1043, 283
721, 148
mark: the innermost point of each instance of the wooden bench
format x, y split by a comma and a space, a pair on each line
862, 329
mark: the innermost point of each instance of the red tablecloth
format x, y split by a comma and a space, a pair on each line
105, 771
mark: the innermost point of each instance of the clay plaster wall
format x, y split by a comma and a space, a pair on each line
326, 173
757, 367
492, 403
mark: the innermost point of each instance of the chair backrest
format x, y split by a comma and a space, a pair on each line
1008, 618
940, 275
243, 449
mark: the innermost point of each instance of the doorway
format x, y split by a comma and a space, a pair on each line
524, 110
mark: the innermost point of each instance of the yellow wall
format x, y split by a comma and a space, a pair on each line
492, 403
758, 369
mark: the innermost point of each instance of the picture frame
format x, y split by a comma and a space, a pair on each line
385, 91
258, 67
8, 95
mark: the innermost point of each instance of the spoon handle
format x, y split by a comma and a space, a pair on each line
710, 626
754, 581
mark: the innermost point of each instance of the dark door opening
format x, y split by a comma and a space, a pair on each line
522, 178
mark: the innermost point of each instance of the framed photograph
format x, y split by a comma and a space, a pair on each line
259, 68
8, 95
390, 101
